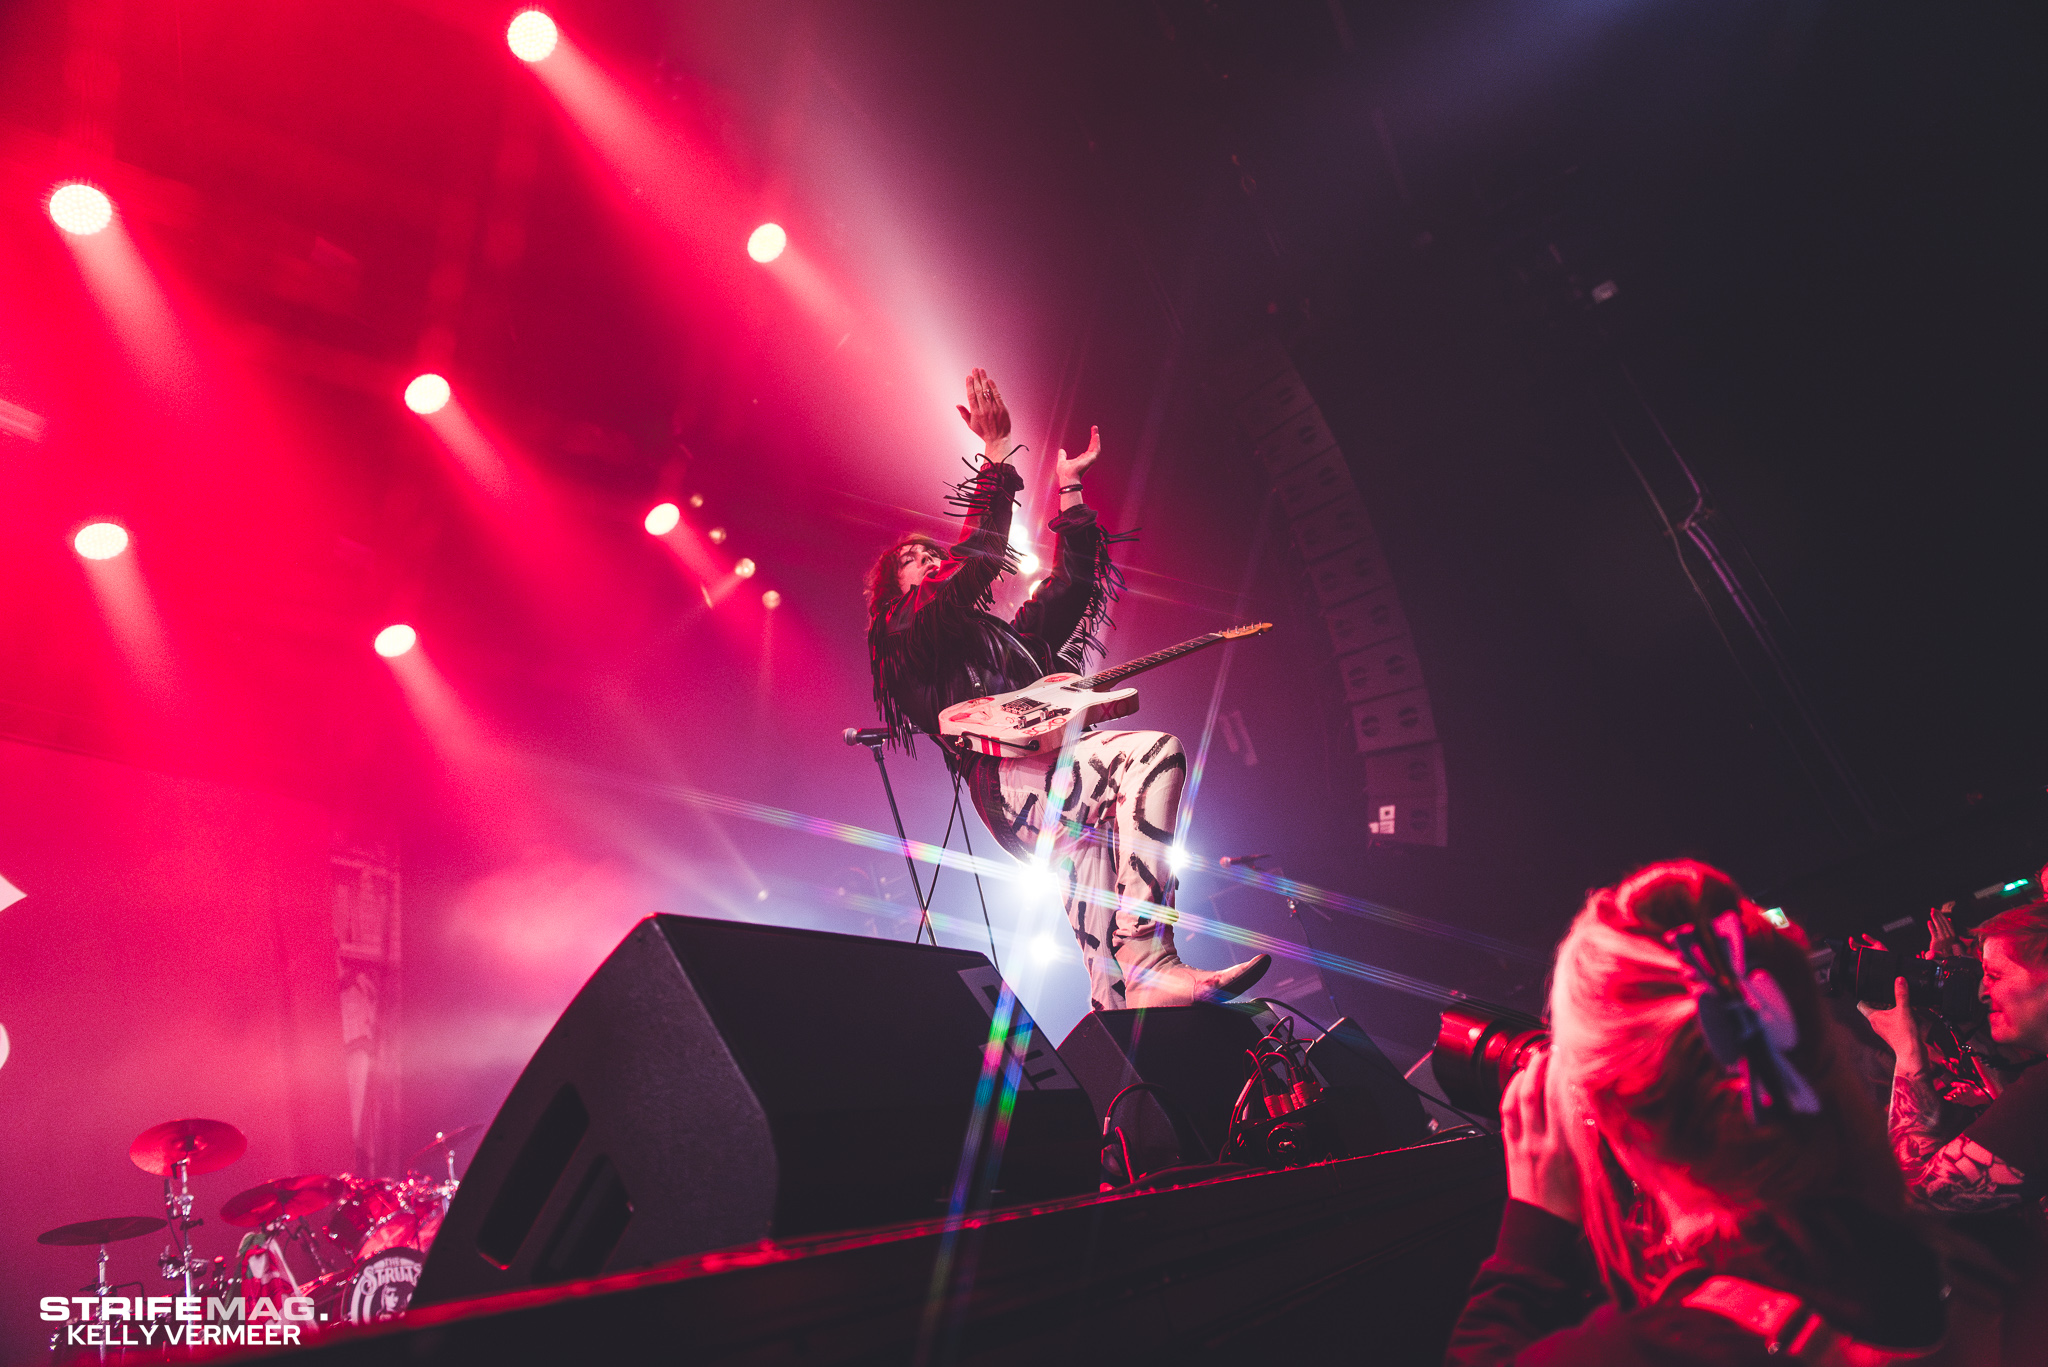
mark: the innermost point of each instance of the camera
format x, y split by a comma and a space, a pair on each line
1480, 1046
1946, 986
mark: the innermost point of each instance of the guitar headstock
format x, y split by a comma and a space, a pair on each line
1254, 629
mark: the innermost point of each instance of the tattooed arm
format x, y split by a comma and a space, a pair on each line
1958, 1177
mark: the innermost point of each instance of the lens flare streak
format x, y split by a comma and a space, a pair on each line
1011, 871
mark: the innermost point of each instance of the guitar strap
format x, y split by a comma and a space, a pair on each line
1788, 1325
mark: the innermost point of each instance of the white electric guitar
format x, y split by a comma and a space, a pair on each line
1020, 723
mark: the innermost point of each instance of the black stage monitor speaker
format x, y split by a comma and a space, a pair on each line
1197, 1055
717, 1083
1376, 1109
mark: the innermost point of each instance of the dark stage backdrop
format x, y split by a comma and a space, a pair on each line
174, 956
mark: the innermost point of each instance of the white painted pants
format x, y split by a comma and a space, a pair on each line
1100, 815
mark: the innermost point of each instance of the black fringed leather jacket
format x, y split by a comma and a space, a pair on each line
939, 643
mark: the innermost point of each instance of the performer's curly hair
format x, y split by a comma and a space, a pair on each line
880, 585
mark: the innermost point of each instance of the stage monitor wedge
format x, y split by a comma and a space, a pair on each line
718, 1083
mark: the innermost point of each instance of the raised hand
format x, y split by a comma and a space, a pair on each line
1942, 940
985, 413
1541, 1169
1070, 468
1896, 1027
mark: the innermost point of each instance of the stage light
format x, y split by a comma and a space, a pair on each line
1028, 563
771, 600
662, 518
745, 569
531, 35
428, 393
100, 540
1177, 857
80, 209
1045, 949
717, 535
696, 500
394, 641
1040, 882
767, 242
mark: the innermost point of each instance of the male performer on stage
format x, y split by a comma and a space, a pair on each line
1114, 795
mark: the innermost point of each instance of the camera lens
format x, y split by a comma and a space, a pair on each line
1478, 1048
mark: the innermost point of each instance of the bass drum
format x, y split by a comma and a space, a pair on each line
379, 1289
371, 1219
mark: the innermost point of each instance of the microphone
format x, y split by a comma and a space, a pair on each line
1248, 860
873, 735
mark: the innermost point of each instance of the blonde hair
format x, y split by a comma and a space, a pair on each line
1635, 1075
2024, 929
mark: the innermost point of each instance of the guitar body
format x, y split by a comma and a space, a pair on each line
1036, 720
1032, 720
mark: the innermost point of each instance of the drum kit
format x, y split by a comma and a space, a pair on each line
354, 1245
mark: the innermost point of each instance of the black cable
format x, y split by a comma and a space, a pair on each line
1320, 1030
924, 908
1130, 1175
979, 891
1185, 1139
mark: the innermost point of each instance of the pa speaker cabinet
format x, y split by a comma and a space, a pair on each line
718, 1083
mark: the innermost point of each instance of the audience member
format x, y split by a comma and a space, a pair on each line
1698, 1120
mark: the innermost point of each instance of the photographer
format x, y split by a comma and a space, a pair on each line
2000, 1160
1698, 1116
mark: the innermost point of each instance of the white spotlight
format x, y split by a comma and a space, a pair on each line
80, 209
767, 242
100, 540
427, 393
662, 519
394, 641
1040, 882
531, 35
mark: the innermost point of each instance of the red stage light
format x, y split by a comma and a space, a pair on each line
662, 519
394, 641
531, 35
100, 540
767, 242
716, 535
696, 500
771, 600
427, 393
745, 569
80, 209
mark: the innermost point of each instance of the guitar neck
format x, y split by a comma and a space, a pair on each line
1110, 678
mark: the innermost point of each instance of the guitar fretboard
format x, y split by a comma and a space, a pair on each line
1110, 678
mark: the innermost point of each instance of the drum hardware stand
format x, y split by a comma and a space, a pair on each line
100, 1287
874, 739
178, 1207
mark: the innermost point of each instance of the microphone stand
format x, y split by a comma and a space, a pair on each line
924, 914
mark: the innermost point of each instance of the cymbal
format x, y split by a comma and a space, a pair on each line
207, 1145
441, 1143
109, 1231
283, 1198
